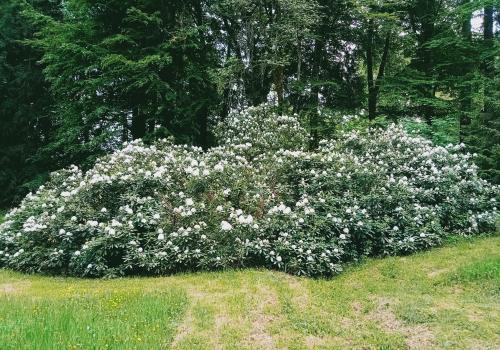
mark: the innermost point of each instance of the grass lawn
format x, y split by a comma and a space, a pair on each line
446, 298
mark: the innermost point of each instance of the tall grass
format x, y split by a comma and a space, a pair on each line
116, 320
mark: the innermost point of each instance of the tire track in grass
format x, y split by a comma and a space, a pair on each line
217, 317
261, 319
416, 337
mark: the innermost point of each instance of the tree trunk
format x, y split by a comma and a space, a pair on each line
124, 127
489, 68
138, 128
466, 91
279, 85
426, 12
203, 139
226, 95
151, 126
488, 23
315, 91
381, 68
488, 64
374, 83
372, 96
299, 59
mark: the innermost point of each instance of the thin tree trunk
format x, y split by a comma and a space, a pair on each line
124, 127
465, 92
488, 64
138, 128
372, 99
279, 85
315, 100
381, 68
299, 59
488, 23
203, 120
151, 126
375, 83
226, 103
424, 59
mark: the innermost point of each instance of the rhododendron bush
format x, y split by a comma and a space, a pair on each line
259, 199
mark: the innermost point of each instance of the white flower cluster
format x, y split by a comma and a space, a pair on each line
260, 199
258, 130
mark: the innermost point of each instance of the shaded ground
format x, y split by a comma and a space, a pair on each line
447, 298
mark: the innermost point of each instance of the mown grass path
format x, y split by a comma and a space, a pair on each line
447, 298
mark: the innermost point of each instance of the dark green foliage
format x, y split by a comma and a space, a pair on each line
451, 82
25, 103
79, 77
131, 70
483, 138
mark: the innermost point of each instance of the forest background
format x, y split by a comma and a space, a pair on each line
80, 77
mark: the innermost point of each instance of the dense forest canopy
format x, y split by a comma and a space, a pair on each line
79, 77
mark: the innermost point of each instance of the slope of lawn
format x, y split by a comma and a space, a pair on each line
447, 298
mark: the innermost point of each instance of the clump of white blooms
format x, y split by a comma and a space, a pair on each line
259, 129
260, 199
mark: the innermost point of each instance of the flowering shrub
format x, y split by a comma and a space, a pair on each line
262, 130
259, 199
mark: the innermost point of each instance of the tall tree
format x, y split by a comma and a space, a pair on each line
374, 82
329, 77
25, 104
123, 70
488, 62
261, 42
377, 20
423, 15
465, 93
465, 78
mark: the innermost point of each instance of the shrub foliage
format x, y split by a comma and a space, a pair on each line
259, 199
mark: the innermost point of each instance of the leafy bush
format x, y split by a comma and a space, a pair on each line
259, 199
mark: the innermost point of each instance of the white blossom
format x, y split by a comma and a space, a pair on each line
226, 226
